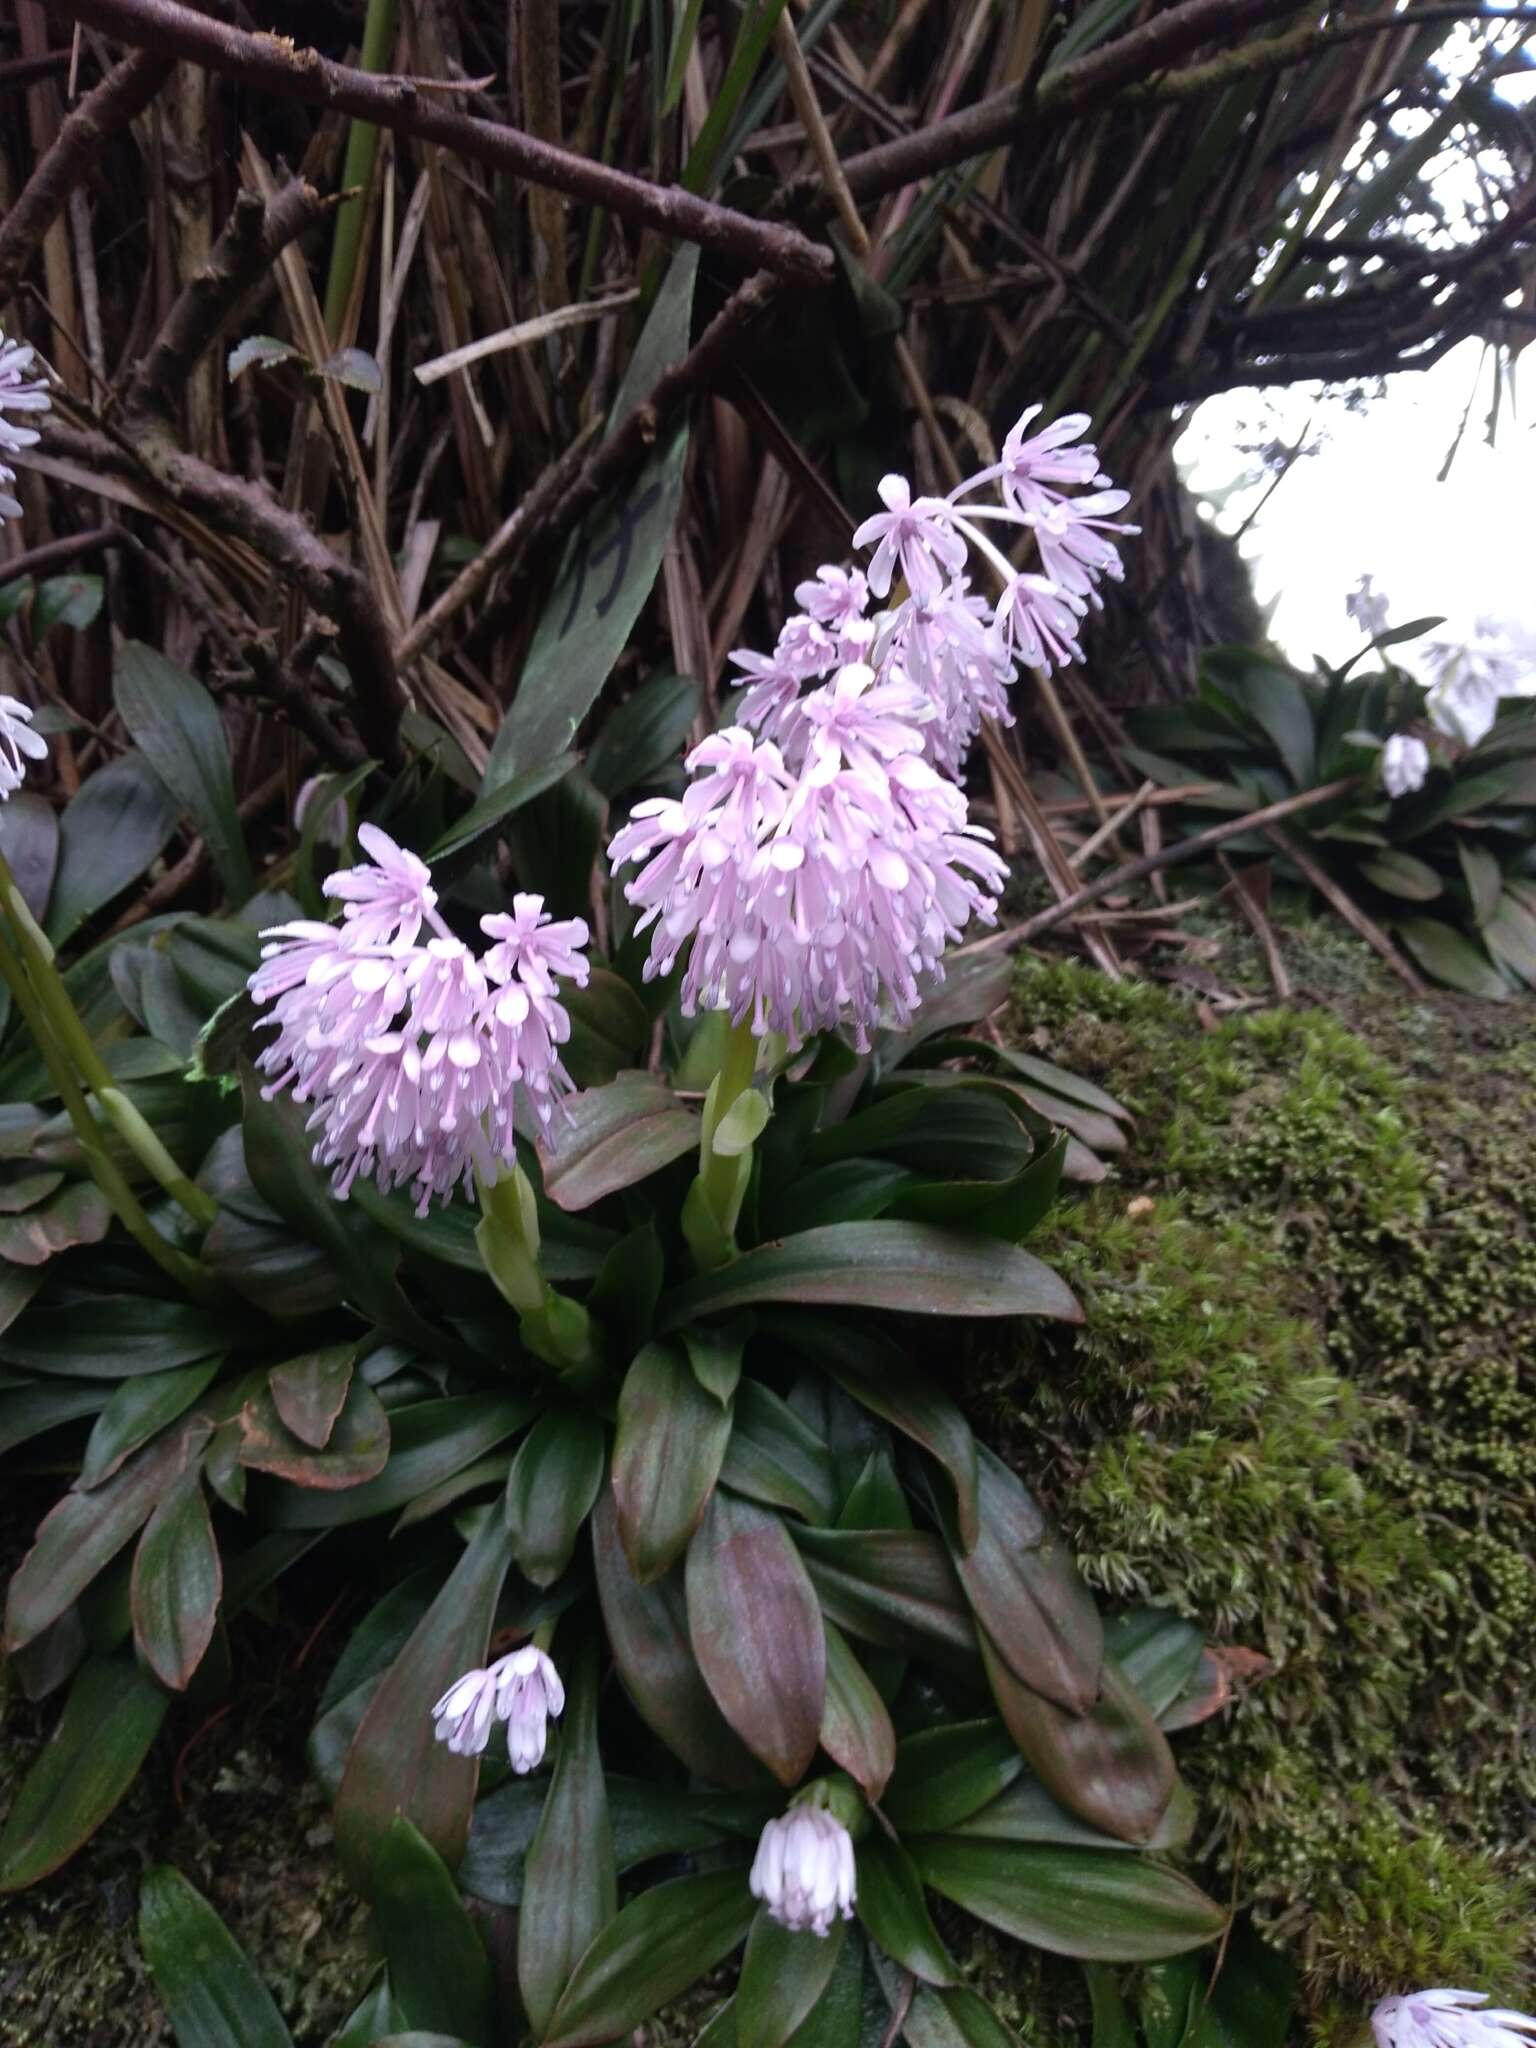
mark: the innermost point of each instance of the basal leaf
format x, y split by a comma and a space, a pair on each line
783, 1978
178, 1578
613, 1138
553, 1482
213, 1997
177, 727
117, 823
438, 1972
658, 1945
668, 1446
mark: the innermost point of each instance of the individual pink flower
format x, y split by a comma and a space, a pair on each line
804, 1870
522, 1689
1035, 466
773, 685
949, 649
531, 956
1038, 623
835, 598
914, 532
17, 738
386, 899
1073, 550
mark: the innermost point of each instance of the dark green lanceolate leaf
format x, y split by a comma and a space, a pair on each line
177, 727
1110, 1765
626, 1291
553, 1482
856, 1729
1158, 1651
113, 1336
114, 827
954, 2018
177, 1582
842, 1191
609, 1028
139, 1409
570, 1881
1442, 951
429, 1442
876, 1373
112, 1715
438, 1971
756, 1631
895, 1913
783, 1978
1510, 935
647, 1630
26, 1412
78, 1213
777, 1459
213, 1997
356, 1449
971, 990
943, 1775
613, 1138
895, 1588
309, 1393
644, 738
1026, 1812
554, 844
668, 1446
1089, 1903
29, 842
1024, 1585
609, 566
501, 803
395, 1764
277, 1157
83, 1534
657, 1947
715, 1353
967, 1132
909, 1266
1400, 874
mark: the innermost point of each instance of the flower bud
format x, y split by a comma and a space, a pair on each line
804, 1871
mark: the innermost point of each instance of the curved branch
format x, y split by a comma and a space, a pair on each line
126, 90
281, 66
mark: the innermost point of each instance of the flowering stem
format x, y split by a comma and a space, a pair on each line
60, 1017
125, 1204
734, 1116
555, 1328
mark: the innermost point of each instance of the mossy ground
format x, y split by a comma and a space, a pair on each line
1301, 1410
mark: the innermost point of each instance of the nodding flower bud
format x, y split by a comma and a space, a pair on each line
522, 1689
804, 1870
17, 738
1404, 764
1448, 2019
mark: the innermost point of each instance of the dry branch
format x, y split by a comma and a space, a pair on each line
281, 66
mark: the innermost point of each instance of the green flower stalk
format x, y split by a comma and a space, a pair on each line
735, 1115
553, 1326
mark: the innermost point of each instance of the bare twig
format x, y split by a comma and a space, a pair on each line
125, 91
58, 554
253, 237
1348, 909
1138, 870
283, 67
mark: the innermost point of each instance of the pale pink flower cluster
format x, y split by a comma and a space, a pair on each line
19, 393
960, 650
17, 739
816, 877
1449, 2019
522, 1689
411, 1047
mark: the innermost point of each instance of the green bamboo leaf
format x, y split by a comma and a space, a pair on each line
550, 1490
112, 1715
647, 1629
757, 1634
570, 1881
395, 1764
660, 1943
1092, 1904
178, 1579
438, 1972
177, 727
213, 1997
669, 1442
894, 1912
783, 1978
117, 823
909, 1266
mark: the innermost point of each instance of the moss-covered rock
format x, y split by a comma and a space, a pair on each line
1301, 1410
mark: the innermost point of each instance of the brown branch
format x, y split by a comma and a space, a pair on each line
126, 90
251, 241
57, 554
1133, 871
707, 365
1059, 95
279, 65
282, 538
19, 71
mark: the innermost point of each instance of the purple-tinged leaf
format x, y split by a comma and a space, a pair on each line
668, 1446
613, 1138
177, 1581
309, 1392
661, 1942
357, 1450
856, 1729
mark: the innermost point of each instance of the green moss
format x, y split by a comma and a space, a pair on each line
1303, 1409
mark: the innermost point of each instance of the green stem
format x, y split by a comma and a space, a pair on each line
553, 1326
357, 173
714, 1201
186, 1272
69, 1032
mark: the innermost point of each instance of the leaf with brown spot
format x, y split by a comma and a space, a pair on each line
308, 1393
356, 1452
